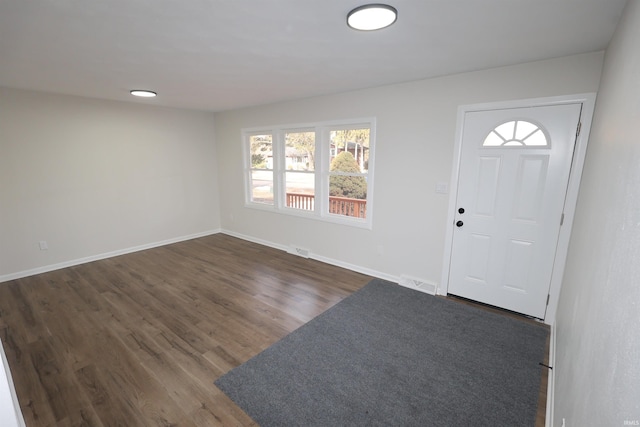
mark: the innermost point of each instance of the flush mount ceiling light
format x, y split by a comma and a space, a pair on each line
372, 17
143, 93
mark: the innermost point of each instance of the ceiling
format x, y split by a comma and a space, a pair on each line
218, 55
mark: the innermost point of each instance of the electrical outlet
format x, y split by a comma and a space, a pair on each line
43, 245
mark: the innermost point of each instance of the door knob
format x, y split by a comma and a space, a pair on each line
459, 224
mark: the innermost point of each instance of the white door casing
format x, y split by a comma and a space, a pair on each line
508, 246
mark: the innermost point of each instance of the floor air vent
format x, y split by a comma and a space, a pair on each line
418, 284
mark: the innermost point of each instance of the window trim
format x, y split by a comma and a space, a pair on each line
321, 169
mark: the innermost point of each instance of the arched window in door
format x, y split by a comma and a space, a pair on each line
516, 133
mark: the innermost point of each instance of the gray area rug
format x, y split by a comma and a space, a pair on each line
392, 356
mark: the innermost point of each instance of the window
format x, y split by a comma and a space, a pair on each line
321, 171
299, 177
349, 157
261, 168
516, 133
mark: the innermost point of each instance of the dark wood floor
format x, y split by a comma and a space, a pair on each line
138, 340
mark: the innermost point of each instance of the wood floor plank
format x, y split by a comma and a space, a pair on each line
59, 383
103, 405
140, 339
85, 417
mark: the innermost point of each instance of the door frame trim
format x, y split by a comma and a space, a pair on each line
588, 104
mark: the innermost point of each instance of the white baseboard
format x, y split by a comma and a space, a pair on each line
71, 263
326, 260
551, 378
356, 268
254, 240
78, 261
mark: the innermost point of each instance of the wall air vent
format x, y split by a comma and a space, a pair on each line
294, 250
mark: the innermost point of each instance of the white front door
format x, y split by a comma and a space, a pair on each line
514, 169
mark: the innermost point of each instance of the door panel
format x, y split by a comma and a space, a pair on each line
479, 246
530, 187
488, 173
514, 169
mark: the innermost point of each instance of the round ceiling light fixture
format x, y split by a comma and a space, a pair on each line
371, 17
143, 93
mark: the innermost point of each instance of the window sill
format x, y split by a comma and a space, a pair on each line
365, 223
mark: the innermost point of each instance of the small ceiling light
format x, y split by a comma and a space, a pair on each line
143, 93
372, 17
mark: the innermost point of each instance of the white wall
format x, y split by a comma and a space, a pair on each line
597, 366
414, 149
96, 177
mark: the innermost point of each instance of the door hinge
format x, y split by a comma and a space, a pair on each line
562, 219
548, 297
579, 127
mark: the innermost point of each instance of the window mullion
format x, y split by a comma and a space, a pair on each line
322, 179
278, 168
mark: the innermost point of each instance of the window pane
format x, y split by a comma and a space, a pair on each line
506, 130
348, 195
261, 151
262, 186
300, 148
354, 141
524, 129
493, 140
537, 139
300, 192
